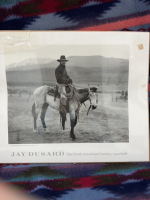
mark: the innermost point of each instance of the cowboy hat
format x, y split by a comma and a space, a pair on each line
62, 58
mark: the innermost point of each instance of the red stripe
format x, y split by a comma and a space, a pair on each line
84, 182
35, 8
41, 7
64, 5
149, 87
68, 6
120, 24
3, 14
30, 9
76, 183
111, 179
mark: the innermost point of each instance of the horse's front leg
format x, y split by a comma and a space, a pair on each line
43, 112
35, 112
72, 123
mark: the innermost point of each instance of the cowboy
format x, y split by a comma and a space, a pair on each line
62, 79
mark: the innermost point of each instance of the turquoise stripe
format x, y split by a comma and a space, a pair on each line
35, 178
9, 2
31, 165
121, 171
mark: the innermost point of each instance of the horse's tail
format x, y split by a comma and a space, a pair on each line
33, 110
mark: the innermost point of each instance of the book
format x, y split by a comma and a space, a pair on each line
93, 108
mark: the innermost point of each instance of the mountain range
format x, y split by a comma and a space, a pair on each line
82, 69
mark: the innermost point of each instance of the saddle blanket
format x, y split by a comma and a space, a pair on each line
53, 91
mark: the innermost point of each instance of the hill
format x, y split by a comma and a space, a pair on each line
82, 69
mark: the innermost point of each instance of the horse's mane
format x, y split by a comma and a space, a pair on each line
82, 90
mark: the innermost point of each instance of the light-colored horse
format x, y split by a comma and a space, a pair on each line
42, 100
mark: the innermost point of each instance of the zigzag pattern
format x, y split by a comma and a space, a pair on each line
74, 15
127, 180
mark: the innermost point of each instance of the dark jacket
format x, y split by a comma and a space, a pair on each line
61, 75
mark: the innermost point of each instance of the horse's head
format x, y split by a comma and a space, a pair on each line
93, 98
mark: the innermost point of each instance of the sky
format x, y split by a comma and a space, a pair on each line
23, 52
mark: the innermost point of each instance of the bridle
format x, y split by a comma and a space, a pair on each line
91, 94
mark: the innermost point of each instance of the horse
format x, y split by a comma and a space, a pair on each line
42, 99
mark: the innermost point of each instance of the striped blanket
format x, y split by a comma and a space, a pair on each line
104, 15
78, 181
81, 181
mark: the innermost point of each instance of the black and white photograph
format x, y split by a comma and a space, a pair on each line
68, 93
74, 97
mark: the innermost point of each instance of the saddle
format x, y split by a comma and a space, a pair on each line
53, 91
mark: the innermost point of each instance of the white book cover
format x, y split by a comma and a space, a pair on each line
74, 97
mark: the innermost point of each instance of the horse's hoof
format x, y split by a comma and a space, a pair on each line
35, 130
73, 137
46, 130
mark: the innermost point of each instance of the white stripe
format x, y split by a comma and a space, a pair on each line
48, 22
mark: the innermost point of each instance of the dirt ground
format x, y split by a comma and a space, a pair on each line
106, 124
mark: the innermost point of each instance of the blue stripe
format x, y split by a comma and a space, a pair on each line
132, 190
87, 15
126, 7
17, 24
31, 165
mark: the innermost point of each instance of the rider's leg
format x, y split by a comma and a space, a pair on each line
63, 102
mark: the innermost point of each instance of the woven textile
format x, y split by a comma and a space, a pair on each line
78, 181
75, 15
81, 181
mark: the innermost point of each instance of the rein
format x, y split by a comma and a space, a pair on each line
70, 95
73, 92
91, 94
